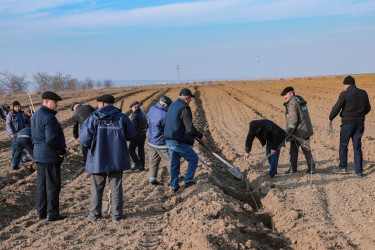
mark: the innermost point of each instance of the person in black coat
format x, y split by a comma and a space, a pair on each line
81, 112
139, 120
353, 105
49, 151
268, 133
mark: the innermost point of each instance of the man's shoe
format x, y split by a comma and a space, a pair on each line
340, 171
290, 170
138, 168
41, 217
310, 171
154, 183
15, 168
25, 159
175, 189
57, 217
83, 163
180, 178
92, 220
360, 175
189, 184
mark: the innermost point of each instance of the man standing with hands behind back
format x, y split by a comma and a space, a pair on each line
49, 151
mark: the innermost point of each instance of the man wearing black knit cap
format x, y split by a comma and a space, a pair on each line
49, 151
353, 105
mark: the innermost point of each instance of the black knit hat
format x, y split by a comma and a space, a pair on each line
286, 90
186, 92
254, 126
349, 80
133, 103
49, 95
73, 104
106, 99
15, 103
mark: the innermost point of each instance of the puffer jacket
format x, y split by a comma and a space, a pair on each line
79, 116
156, 117
12, 123
105, 133
47, 136
298, 118
139, 120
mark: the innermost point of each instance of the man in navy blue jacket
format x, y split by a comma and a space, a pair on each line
49, 151
23, 141
105, 133
179, 133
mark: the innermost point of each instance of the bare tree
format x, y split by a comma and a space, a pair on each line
14, 83
107, 83
98, 84
59, 81
43, 80
72, 84
89, 83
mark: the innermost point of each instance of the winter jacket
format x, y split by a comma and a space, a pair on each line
157, 117
269, 133
179, 124
12, 123
47, 136
139, 120
353, 104
79, 116
105, 133
298, 121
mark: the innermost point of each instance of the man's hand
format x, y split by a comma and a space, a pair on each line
246, 156
203, 139
273, 152
61, 156
12, 135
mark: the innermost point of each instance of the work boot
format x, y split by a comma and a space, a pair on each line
310, 170
340, 171
291, 170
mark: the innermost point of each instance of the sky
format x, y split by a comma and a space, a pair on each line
209, 40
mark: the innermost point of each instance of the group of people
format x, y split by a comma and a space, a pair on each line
104, 133
353, 105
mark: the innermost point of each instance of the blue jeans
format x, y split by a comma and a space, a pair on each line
21, 144
176, 151
354, 131
273, 161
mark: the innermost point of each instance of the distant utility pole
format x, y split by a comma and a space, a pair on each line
178, 73
257, 65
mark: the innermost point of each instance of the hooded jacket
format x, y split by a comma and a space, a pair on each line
157, 117
297, 118
105, 133
47, 136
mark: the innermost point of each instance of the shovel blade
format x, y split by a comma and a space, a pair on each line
236, 172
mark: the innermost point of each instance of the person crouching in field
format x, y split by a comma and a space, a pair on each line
268, 134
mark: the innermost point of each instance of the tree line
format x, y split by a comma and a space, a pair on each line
11, 83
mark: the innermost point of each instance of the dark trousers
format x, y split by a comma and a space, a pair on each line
138, 142
293, 153
21, 144
354, 131
84, 153
48, 189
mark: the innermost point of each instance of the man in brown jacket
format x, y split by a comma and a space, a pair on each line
298, 128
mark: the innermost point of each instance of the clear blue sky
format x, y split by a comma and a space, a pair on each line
213, 39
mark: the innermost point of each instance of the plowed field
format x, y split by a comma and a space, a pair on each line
297, 211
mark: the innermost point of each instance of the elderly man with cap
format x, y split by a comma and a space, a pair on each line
105, 133
179, 133
269, 134
299, 129
81, 112
49, 151
139, 120
353, 105
16, 120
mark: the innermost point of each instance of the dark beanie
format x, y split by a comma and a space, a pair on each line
286, 90
106, 99
73, 104
15, 103
49, 95
349, 80
254, 126
133, 103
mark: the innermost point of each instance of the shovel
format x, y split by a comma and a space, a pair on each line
232, 169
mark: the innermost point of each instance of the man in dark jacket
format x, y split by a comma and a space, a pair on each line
15, 121
105, 133
268, 134
139, 120
353, 105
49, 151
299, 129
81, 112
179, 133
157, 147
23, 141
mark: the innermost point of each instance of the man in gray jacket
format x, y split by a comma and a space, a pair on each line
298, 128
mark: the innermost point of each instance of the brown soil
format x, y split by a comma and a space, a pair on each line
299, 211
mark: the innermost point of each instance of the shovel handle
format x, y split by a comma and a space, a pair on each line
212, 152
